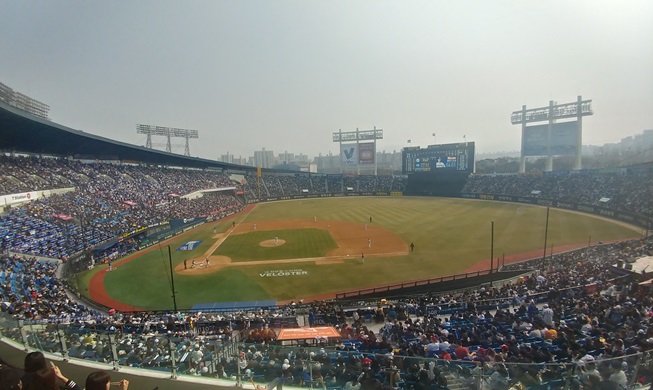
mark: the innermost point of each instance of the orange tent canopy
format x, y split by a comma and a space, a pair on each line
308, 333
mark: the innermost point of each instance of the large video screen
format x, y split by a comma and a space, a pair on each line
447, 157
564, 139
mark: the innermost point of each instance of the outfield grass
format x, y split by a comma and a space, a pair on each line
449, 236
300, 243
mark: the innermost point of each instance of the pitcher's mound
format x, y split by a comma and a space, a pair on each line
272, 243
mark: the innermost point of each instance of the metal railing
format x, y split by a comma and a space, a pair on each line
321, 364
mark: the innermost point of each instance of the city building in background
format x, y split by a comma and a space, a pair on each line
632, 150
263, 158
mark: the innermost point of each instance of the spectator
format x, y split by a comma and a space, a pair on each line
34, 361
100, 380
46, 379
9, 378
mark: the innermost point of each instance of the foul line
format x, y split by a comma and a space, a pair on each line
309, 259
220, 240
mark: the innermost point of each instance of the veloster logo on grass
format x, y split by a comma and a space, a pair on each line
189, 246
283, 272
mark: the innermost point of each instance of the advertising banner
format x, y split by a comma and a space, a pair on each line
18, 198
349, 154
366, 153
308, 333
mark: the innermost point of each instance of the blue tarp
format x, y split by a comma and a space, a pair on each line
232, 306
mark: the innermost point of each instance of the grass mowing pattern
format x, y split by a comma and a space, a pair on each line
449, 235
145, 281
229, 285
300, 243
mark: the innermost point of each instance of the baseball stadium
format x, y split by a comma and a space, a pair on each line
190, 273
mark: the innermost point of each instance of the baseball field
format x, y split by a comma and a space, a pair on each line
316, 247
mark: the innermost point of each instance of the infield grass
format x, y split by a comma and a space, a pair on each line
299, 244
450, 235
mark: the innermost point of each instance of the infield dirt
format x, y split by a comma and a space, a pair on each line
353, 238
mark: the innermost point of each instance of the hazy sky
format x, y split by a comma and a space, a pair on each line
286, 74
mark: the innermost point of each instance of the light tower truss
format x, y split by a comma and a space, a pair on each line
168, 132
360, 137
552, 138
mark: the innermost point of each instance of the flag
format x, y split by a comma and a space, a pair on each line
408, 141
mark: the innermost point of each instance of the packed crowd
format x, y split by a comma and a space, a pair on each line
573, 310
278, 185
22, 174
589, 319
627, 190
112, 199
109, 200
211, 204
30, 289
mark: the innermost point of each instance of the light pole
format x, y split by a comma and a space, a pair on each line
546, 232
492, 249
172, 280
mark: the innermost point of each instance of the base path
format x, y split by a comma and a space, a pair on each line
99, 294
352, 238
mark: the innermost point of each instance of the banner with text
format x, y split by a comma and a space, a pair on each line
18, 198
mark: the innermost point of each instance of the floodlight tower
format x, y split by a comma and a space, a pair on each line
168, 132
362, 152
553, 138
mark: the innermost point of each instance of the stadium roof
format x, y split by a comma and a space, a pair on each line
23, 132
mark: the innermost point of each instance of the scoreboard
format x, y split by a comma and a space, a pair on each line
446, 157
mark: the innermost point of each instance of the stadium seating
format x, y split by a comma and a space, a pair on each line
487, 336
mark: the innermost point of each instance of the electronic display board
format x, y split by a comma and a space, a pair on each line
564, 139
447, 157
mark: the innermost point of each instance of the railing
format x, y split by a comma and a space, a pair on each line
290, 365
422, 282
413, 283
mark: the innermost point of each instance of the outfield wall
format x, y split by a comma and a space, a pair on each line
333, 195
623, 216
